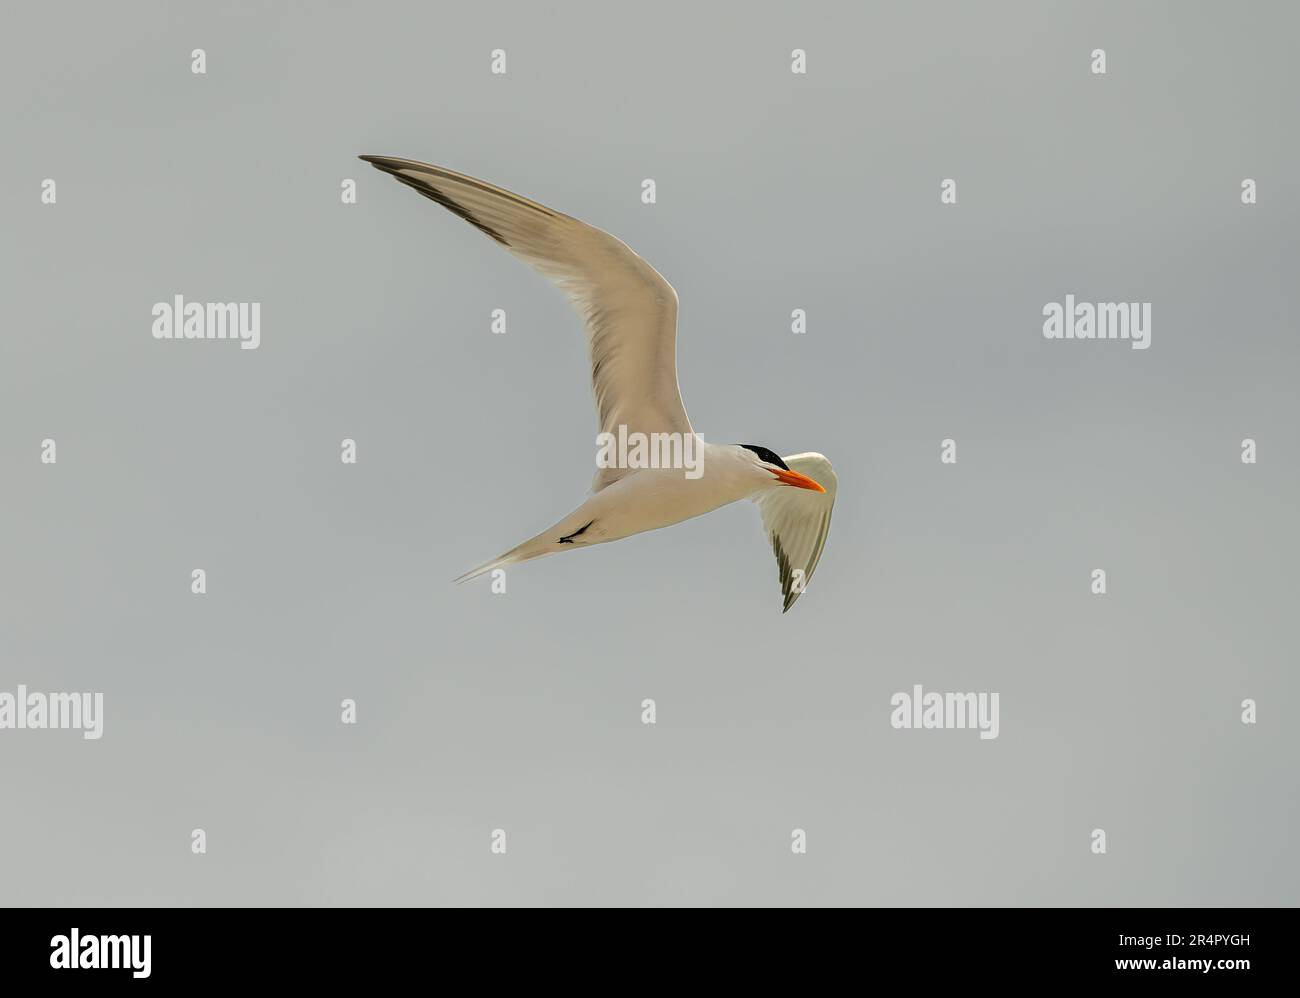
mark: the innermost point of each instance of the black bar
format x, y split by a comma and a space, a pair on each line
1223, 948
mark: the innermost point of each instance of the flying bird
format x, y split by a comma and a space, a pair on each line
630, 314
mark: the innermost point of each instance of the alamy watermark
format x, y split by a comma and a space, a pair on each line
638, 450
919, 709
181, 320
102, 952
22, 710
1106, 320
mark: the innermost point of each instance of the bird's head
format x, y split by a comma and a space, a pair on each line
776, 472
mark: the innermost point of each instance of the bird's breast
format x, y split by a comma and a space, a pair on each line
653, 498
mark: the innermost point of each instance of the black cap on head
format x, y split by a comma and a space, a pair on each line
766, 455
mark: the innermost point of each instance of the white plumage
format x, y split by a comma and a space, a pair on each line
630, 315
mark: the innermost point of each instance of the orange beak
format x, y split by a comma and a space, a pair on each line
797, 480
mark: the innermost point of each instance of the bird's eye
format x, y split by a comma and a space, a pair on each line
766, 456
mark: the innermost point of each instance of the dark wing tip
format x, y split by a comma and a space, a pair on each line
394, 167
389, 164
784, 573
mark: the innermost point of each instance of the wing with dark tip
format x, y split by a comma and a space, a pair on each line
797, 522
629, 310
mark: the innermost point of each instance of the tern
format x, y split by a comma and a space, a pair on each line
630, 314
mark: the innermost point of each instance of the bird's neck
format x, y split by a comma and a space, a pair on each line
731, 469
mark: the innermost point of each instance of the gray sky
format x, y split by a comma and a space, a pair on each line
775, 191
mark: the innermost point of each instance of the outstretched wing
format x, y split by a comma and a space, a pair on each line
629, 310
797, 521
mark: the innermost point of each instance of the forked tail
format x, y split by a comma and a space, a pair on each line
534, 547
570, 533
